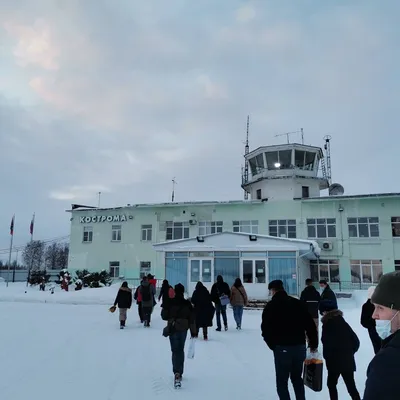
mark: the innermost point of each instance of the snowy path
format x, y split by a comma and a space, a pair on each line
69, 351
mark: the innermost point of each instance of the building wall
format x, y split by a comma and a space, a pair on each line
132, 250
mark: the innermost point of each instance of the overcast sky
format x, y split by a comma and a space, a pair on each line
120, 96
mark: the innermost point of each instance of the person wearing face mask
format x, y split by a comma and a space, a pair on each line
384, 370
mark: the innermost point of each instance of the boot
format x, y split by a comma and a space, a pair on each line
121, 324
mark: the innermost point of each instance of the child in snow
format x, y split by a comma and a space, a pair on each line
124, 302
340, 343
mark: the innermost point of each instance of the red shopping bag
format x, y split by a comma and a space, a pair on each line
313, 371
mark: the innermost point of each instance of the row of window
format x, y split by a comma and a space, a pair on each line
362, 271
317, 228
145, 269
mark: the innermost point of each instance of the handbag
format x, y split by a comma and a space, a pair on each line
313, 371
224, 299
169, 329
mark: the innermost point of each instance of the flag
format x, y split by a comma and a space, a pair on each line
12, 226
32, 225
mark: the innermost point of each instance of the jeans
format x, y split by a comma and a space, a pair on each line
348, 378
238, 314
375, 339
289, 363
219, 309
146, 312
177, 341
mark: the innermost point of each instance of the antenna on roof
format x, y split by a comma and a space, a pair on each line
174, 182
291, 133
246, 163
98, 204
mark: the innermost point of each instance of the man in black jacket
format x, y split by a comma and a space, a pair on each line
384, 370
311, 297
218, 290
328, 297
285, 321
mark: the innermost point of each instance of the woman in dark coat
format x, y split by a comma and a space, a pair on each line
124, 302
340, 343
204, 309
165, 293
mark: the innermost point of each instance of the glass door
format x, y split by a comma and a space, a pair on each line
201, 270
254, 271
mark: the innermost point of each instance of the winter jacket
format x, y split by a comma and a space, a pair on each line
366, 315
383, 372
285, 320
328, 297
203, 306
124, 298
138, 296
164, 294
144, 287
180, 311
218, 289
340, 343
238, 296
311, 297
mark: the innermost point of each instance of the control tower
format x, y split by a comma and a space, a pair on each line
288, 171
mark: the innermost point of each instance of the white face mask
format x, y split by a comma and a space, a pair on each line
384, 327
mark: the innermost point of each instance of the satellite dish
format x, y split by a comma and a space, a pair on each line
336, 189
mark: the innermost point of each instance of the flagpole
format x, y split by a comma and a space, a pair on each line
31, 250
9, 258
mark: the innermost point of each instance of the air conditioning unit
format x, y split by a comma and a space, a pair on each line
192, 222
327, 246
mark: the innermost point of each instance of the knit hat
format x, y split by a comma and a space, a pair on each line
370, 292
387, 292
276, 285
179, 288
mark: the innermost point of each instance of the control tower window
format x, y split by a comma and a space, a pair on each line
279, 159
304, 160
253, 166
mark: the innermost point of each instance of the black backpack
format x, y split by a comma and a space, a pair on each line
146, 295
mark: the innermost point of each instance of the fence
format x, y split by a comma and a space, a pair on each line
347, 286
21, 275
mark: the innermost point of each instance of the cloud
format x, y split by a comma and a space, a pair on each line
120, 98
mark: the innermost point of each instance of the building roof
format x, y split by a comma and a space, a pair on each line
354, 196
239, 241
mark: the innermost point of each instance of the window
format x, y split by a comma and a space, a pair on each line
145, 268
304, 160
257, 164
282, 228
245, 226
363, 227
259, 194
116, 233
321, 228
325, 269
209, 227
87, 234
305, 192
366, 271
147, 233
396, 226
114, 269
279, 159
177, 230
397, 265
254, 271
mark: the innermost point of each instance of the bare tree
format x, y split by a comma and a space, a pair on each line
51, 256
62, 258
33, 254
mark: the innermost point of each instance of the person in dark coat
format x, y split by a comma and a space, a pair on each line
124, 302
165, 293
369, 323
340, 343
203, 308
285, 320
219, 289
328, 295
180, 312
147, 291
311, 297
383, 372
138, 297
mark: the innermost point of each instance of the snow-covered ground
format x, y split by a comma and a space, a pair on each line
67, 345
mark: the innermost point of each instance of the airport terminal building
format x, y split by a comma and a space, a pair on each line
288, 230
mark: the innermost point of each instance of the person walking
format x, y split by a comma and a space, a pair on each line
203, 309
238, 301
369, 323
311, 297
219, 292
340, 343
124, 302
327, 296
384, 370
180, 315
148, 292
166, 293
285, 320
138, 297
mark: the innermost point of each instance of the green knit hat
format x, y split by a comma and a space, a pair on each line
387, 292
